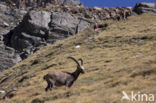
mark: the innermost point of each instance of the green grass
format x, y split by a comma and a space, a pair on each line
121, 57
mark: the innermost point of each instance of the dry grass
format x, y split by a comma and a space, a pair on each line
122, 57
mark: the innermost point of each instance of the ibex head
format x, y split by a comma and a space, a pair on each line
79, 66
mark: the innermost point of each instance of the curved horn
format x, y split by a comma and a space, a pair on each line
74, 60
81, 61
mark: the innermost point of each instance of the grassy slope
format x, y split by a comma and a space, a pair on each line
122, 57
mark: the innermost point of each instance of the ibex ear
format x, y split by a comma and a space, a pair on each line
81, 61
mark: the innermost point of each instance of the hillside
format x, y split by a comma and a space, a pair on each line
120, 58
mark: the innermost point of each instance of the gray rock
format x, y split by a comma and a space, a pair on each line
39, 28
8, 57
8, 20
145, 8
40, 19
10, 16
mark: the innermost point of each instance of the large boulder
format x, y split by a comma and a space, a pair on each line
39, 28
145, 8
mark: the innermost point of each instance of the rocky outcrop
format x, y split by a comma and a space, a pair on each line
39, 28
145, 8
26, 4
94, 13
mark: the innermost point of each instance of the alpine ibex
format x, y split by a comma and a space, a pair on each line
63, 78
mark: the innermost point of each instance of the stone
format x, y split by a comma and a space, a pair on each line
145, 8
8, 20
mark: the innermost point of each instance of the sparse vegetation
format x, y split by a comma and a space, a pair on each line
121, 57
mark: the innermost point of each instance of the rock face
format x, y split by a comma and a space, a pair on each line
39, 28
9, 17
145, 8
8, 57
8, 20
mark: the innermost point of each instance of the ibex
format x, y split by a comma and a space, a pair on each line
63, 78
